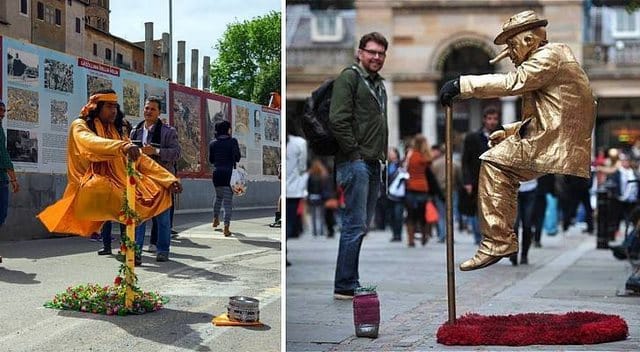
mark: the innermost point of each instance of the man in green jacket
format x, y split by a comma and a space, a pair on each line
358, 120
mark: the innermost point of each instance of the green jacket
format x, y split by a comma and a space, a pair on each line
359, 123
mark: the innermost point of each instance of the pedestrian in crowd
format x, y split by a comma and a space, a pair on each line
545, 187
524, 217
577, 193
331, 204
7, 173
98, 149
438, 167
224, 153
317, 194
105, 232
276, 222
625, 184
358, 120
554, 136
296, 173
395, 205
160, 142
475, 144
417, 162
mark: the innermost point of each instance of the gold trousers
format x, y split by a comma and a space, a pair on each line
497, 206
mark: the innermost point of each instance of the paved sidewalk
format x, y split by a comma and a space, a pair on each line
566, 274
204, 271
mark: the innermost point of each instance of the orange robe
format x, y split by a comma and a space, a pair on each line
104, 152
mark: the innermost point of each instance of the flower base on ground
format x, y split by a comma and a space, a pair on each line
109, 300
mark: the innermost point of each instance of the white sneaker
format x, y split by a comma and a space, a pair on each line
152, 248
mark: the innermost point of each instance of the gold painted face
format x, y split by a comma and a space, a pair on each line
520, 46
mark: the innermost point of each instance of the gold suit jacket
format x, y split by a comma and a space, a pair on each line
558, 112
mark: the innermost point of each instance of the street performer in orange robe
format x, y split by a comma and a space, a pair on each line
97, 152
553, 136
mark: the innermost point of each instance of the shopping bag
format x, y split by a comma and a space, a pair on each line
431, 215
550, 224
239, 181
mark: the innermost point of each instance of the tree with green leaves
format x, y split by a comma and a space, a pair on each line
248, 62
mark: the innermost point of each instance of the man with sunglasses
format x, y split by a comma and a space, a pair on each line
358, 121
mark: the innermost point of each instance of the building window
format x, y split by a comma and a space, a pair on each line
626, 25
119, 58
48, 14
78, 25
58, 17
40, 14
23, 7
107, 54
326, 26
95, 49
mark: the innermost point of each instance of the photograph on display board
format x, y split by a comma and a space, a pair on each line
257, 140
22, 146
131, 98
158, 92
96, 83
243, 150
58, 76
272, 128
270, 160
217, 110
22, 67
186, 120
241, 123
22, 105
256, 120
59, 114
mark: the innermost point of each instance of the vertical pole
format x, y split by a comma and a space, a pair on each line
130, 256
451, 280
171, 40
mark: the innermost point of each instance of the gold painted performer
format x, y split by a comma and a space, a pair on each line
553, 136
97, 145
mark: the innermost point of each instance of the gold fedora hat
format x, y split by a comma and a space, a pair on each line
519, 22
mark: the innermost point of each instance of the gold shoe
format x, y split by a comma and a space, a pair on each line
481, 260
216, 222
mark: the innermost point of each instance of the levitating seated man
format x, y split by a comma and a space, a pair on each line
99, 148
553, 136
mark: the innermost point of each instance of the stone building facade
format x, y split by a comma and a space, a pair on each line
431, 41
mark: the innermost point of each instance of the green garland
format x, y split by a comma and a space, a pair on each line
110, 300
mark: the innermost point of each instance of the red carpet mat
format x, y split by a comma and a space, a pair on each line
574, 328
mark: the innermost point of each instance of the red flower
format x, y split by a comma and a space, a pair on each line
118, 280
132, 180
129, 222
123, 248
121, 213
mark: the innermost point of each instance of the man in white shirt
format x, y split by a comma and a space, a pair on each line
625, 185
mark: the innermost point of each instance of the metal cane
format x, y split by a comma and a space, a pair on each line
451, 280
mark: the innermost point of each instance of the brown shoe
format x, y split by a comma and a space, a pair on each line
216, 222
226, 231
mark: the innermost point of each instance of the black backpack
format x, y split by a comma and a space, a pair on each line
315, 120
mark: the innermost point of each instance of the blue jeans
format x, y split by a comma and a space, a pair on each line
360, 182
475, 228
4, 201
105, 233
442, 211
396, 214
164, 232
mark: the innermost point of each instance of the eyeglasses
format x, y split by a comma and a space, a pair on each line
373, 53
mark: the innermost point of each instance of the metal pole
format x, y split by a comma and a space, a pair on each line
451, 280
171, 40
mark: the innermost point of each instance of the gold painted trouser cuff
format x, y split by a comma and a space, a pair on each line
497, 205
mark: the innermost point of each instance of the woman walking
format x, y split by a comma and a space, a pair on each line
418, 160
224, 153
